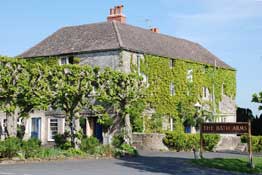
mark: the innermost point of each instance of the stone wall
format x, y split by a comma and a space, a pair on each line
101, 59
227, 106
151, 141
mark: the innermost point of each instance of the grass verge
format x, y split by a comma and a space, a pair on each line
231, 164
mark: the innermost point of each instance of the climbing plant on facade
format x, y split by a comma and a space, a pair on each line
187, 89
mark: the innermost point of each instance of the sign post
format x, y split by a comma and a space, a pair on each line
201, 143
251, 164
228, 128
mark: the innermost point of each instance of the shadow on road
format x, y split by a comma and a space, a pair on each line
168, 165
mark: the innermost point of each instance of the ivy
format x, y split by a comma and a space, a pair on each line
50, 61
160, 75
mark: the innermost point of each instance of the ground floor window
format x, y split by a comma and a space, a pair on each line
36, 128
52, 128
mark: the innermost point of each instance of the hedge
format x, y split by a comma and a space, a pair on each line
185, 142
256, 142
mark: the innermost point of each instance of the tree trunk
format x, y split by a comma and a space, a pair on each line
128, 130
74, 125
11, 123
72, 130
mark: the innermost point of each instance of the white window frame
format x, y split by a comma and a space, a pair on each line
145, 79
66, 61
49, 128
172, 89
206, 93
189, 75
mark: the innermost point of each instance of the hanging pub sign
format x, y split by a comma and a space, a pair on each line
227, 128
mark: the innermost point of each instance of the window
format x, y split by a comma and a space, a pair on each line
205, 68
172, 63
205, 93
64, 60
52, 128
223, 89
190, 75
145, 79
172, 89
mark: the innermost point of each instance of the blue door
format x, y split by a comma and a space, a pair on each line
98, 131
36, 128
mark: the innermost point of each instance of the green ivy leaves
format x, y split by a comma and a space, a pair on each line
161, 75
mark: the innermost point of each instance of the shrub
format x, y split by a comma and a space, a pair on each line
10, 147
210, 141
49, 153
31, 147
128, 149
175, 141
256, 142
124, 150
107, 150
62, 142
180, 141
192, 142
89, 144
118, 140
74, 152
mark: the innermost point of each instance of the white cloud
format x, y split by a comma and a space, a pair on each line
221, 12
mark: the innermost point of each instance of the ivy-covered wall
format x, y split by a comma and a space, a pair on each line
160, 75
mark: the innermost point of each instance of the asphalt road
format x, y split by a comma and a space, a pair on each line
145, 164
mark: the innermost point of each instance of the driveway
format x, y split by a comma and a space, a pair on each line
155, 163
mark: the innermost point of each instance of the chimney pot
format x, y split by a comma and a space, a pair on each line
116, 14
155, 30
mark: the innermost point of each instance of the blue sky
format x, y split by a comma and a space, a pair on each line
231, 29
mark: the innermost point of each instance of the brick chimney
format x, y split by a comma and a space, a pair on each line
116, 14
155, 30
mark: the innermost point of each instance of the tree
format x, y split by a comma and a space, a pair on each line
36, 92
13, 77
122, 91
73, 86
257, 98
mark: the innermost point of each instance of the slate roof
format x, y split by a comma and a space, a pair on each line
114, 35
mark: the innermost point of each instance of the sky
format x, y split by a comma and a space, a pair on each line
230, 29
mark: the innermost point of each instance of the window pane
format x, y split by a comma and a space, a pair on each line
53, 125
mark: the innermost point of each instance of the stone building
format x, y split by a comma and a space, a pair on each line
118, 45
